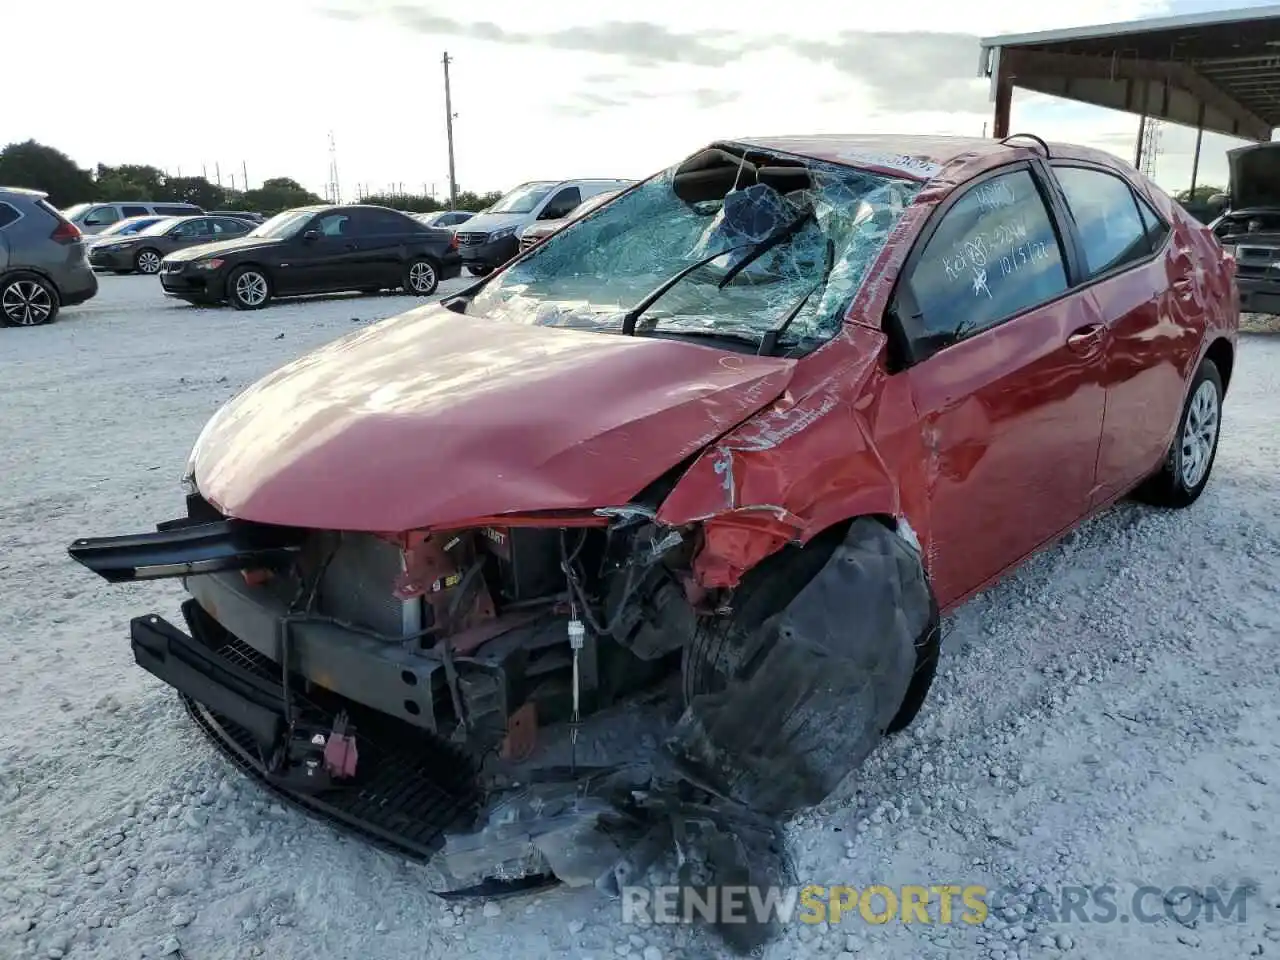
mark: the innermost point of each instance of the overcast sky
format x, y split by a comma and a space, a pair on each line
554, 89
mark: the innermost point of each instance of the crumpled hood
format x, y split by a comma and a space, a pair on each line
433, 418
1255, 175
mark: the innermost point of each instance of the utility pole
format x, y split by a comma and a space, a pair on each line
448, 122
204, 170
217, 172
333, 170
244, 168
233, 183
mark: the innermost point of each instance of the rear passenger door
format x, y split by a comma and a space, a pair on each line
1009, 401
1134, 288
382, 237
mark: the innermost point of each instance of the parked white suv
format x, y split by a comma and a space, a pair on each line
93, 218
491, 238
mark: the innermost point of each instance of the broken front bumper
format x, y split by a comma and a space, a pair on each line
408, 788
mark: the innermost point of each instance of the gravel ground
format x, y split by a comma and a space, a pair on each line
1109, 714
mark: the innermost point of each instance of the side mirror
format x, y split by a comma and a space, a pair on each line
310, 236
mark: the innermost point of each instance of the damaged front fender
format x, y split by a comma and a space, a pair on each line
805, 463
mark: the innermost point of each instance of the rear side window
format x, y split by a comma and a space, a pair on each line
994, 254
175, 211
7, 215
384, 221
134, 211
1106, 215
230, 227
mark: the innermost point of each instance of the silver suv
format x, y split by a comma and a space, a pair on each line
42, 260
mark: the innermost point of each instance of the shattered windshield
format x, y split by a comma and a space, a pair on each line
833, 221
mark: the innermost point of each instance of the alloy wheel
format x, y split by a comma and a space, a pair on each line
251, 288
422, 278
26, 303
149, 261
1199, 434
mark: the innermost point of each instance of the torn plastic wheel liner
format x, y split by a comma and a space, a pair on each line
814, 691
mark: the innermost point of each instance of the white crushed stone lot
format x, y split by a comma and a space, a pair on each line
1108, 715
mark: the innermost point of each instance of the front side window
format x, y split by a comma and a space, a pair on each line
1106, 216
101, 216
994, 254
562, 204
333, 225
795, 236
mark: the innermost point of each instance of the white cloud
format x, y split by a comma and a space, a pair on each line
264, 81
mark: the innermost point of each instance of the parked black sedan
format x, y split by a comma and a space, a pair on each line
318, 249
144, 250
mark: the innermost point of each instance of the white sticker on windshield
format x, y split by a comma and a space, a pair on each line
921, 168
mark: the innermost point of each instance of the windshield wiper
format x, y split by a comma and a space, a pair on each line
765, 245
631, 316
769, 342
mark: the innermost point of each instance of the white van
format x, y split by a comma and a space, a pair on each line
491, 238
93, 218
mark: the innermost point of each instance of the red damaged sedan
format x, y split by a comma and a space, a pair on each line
724, 448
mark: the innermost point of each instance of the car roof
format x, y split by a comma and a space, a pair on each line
923, 157
23, 192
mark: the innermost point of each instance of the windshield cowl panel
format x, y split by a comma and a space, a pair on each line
794, 228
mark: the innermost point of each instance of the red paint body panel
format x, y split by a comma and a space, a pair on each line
989, 449
433, 418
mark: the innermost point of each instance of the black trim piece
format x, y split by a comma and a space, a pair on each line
180, 548
187, 665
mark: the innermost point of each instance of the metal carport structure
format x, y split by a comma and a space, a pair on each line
1216, 71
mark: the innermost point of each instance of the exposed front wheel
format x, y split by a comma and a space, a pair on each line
1186, 469
147, 261
248, 289
420, 277
27, 300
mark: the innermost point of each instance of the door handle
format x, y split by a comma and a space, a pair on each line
351, 245
1086, 339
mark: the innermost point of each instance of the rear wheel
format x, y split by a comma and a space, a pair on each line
1186, 469
27, 300
147, 261
248, 288
420, 277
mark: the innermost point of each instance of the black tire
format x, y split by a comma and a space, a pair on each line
421, 277
710, 658
246, 285
479, 271
27, 300
147, 260
1179, 483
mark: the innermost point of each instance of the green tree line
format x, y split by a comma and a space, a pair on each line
40, 167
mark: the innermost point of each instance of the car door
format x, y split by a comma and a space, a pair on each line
1005, 369
320, 259
381, 237
1123, 242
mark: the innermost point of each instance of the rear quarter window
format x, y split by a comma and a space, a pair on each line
8, 215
